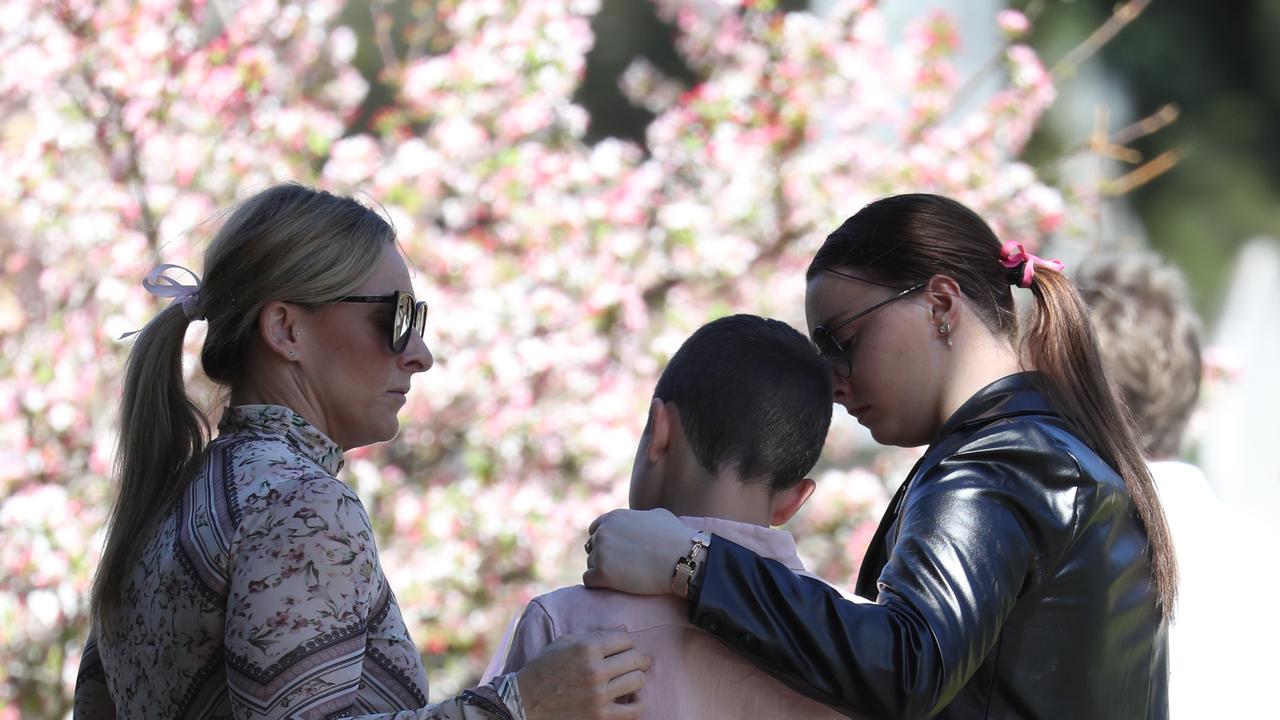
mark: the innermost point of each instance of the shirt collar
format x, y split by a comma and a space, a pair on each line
279, 421
765, 542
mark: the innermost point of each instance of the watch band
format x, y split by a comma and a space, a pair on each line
509, 691
687, 566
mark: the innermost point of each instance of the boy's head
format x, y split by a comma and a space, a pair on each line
738, 417
1150, 339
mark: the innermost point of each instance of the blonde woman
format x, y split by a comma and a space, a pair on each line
240, 577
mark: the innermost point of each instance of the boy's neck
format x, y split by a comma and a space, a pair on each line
727, 498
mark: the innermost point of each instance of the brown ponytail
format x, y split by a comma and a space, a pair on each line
906, 239
1061, 344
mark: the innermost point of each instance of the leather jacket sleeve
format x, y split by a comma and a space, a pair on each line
969, 534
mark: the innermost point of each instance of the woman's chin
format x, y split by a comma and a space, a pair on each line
883, 434
896, 438
381, 432
874, 425
390, 431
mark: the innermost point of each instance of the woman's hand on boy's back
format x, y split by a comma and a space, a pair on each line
592, 676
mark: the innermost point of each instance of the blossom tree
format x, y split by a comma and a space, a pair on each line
561, 274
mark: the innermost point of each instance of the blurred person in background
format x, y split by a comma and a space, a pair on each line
1024, 569
1150, 339
737, 419
240, 578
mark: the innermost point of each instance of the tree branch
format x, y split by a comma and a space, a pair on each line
1119, 19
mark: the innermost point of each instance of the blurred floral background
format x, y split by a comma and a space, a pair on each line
578, 183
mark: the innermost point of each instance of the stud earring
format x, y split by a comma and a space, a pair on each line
293, 354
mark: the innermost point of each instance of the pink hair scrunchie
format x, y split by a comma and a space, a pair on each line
1012, 255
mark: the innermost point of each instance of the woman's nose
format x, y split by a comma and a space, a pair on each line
840, 390
417, 356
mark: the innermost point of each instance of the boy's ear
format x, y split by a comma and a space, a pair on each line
786, 503
659, 430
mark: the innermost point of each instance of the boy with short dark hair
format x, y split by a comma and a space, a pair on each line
738, 418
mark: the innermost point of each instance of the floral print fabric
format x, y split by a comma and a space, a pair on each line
260, 596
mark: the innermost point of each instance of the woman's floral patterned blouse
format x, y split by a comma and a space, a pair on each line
260, 595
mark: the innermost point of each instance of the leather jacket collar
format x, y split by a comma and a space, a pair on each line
1010, 396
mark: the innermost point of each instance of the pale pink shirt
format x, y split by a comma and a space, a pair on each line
693, 675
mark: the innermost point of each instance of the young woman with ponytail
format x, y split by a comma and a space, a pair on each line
240, 577
1024, 568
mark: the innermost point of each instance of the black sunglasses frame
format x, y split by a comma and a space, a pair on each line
410, 315
831, 349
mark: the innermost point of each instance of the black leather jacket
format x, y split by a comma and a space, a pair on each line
1010, 579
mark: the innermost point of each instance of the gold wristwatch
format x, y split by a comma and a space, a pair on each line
687, 566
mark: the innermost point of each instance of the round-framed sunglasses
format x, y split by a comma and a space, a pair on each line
837, 353
410, 315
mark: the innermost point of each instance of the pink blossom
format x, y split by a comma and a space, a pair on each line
1013, 23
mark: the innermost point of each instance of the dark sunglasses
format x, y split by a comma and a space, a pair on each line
836, 353
409, 316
